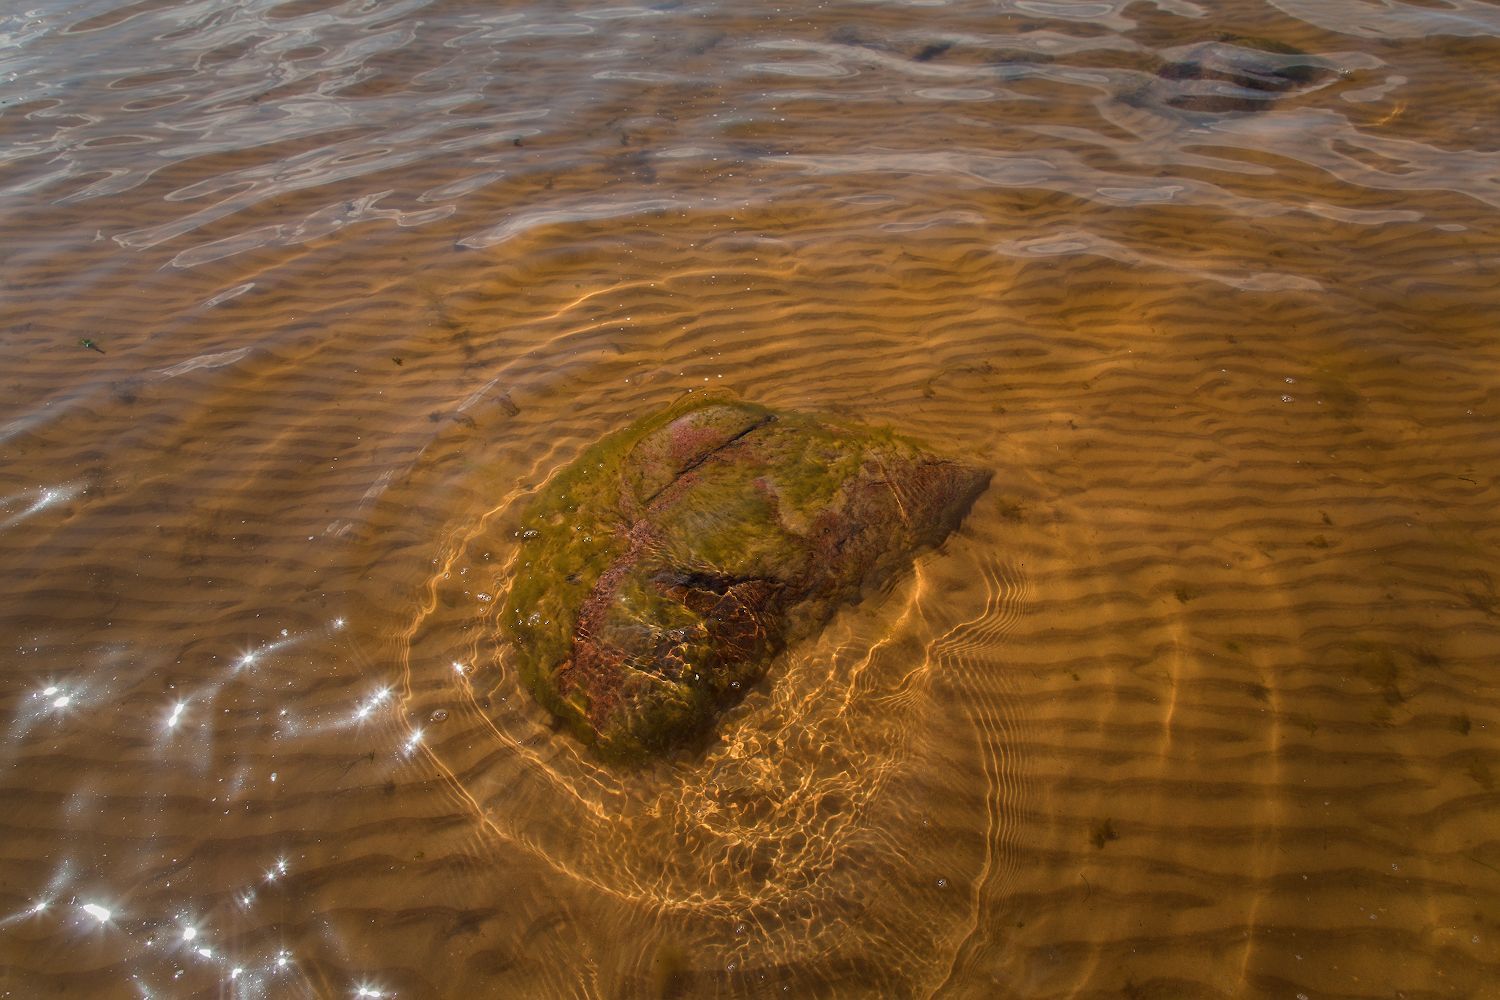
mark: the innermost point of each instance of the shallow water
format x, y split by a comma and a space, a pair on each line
302, 301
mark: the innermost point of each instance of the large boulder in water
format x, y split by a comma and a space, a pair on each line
662, 571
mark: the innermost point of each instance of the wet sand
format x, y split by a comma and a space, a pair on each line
1197, 702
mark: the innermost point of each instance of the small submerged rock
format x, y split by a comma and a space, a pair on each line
1235, 73
662, 571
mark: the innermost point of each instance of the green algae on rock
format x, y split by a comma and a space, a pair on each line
662, 571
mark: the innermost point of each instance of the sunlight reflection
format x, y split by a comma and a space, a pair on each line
57, 698
375, 701
1090, 244
248, 658
31, 911
46, 497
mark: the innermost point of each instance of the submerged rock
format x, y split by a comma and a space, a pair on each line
663, 570
1234, 74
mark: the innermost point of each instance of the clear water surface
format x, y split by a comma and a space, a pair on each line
302, 301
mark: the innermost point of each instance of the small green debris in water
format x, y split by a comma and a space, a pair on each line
1012, 509
1102, 832
90, 345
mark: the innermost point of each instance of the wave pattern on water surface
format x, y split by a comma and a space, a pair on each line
305, 300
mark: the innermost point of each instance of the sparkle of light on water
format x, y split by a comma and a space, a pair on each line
303, 300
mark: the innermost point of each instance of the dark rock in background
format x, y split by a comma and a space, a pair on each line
1237, 74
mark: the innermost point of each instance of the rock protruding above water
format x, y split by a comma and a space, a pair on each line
663, 570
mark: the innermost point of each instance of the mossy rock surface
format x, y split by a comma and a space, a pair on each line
663, 570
